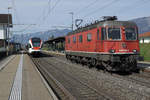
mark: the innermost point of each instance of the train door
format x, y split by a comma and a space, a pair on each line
80, 42
74, 42
88, 41
101, 36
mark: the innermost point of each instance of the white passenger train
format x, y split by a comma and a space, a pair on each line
34, 46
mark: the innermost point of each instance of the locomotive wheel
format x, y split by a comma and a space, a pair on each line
79, 60
89, 62
134, 67
108, 66
67, 56
93, 62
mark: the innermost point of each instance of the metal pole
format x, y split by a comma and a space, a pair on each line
72, 19
8, 33
8, 29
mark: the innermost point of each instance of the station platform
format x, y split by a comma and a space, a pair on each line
20, 80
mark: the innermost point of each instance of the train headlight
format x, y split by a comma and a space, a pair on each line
112, 51
135, 51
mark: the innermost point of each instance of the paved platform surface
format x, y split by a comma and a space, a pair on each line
6, 78
32, 85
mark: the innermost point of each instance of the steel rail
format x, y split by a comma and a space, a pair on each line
59, 90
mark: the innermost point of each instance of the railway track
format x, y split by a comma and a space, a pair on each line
142, 78
58, 89
125, 84
77, 88
103, 85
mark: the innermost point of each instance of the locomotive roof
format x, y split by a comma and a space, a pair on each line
104, 24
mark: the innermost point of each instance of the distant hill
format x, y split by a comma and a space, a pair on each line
24, 38
143, 24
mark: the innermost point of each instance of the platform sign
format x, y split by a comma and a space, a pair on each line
2, 33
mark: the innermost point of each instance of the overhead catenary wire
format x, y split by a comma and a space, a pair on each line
51, 9
87, 6
46, 10
101, 8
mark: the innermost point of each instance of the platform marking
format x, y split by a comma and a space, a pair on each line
17, 85
47, 86
3, 65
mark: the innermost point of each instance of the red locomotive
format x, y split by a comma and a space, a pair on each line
111, 43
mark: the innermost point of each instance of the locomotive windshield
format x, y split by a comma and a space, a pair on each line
114, 34
130, 34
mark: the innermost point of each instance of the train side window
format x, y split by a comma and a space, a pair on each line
74, 39
29, 46
68, 40
98, 34
89, 37
103, 37
80, 38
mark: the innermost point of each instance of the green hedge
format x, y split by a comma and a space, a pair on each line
145, 51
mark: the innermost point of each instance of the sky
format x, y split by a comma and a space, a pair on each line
41, 15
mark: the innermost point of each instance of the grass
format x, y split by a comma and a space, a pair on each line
145, 51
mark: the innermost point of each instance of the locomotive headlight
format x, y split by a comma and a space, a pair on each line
135, 51
112, 51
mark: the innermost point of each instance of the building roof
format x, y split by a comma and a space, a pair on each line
4, 19
58, 39
146, 34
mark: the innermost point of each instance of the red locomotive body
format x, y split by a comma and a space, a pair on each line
114, 44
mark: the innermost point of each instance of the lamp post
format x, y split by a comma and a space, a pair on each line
72, 19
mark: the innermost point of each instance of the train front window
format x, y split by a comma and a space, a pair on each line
114, 34
36, 44
130, 33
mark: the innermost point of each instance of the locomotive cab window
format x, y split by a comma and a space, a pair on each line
74, 39
89, 37
80, 39
130, 34
114, 34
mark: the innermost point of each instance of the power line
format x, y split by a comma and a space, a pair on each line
101, 8
41, 19
87, 6
22, 30
51, 9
